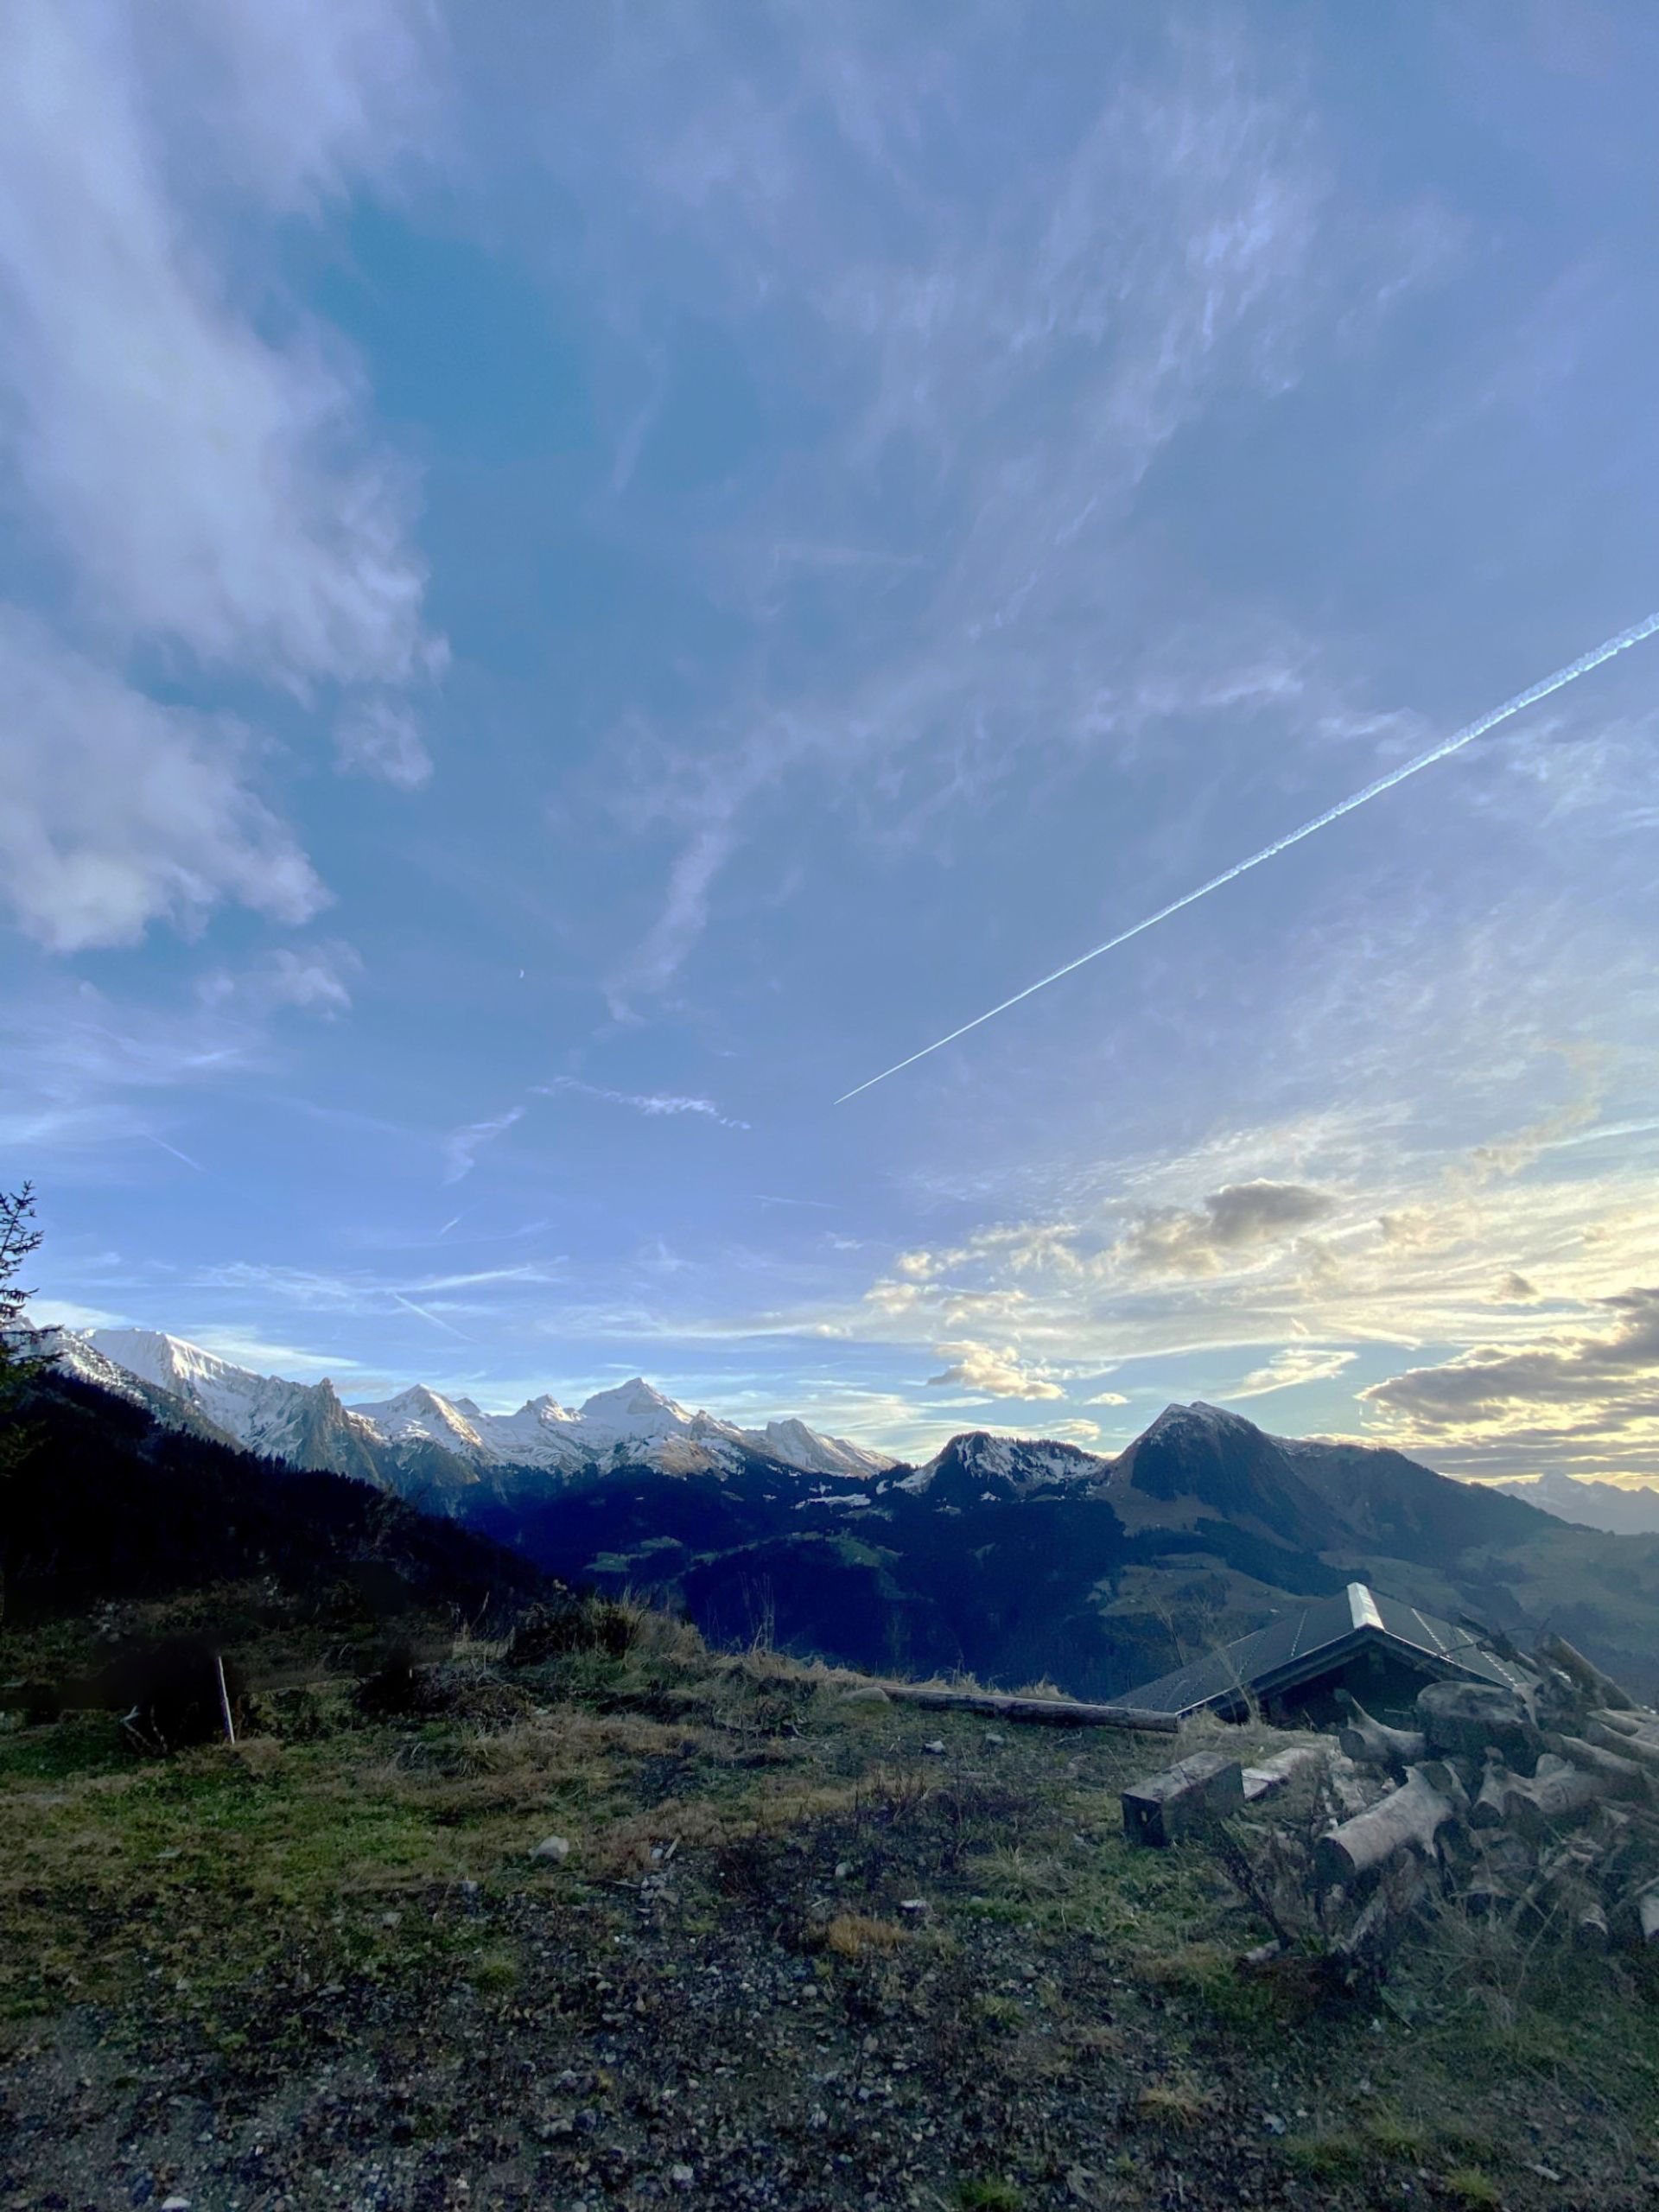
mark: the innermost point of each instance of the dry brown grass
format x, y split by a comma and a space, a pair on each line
1177, 2102
854, 1935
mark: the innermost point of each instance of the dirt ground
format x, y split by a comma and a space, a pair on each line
793, 1957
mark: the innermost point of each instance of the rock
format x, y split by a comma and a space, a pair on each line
872, 1693
176, 2204
912, 1905
1469, 1720
993, 1741
935, 1748
682, 2176
1166, 1805
551, 1847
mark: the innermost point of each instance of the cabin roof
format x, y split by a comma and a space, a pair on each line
1299, 1646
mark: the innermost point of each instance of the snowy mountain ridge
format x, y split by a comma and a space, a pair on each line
450, 1439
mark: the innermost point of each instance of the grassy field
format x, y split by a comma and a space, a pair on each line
792, 1955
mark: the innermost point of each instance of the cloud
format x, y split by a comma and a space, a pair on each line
1234, 1223
1106, 1398
1591, 1392
83, 1074
461, 1146
207, 483
120, 811
313, 979
380, 737
992, 1374
1287, 1369
655, 1105
66, 1314
1515, 1290
189, 457
1078, 1431
1020, 353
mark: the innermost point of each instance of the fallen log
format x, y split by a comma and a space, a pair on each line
1588, 1676
1373, 1742
1408, 1818
1204, 1788
1046, 1711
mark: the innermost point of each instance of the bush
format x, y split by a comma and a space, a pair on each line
584, 1622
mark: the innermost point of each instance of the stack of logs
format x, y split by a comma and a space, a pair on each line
1538, 1806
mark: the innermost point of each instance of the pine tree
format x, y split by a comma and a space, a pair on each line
20, 1359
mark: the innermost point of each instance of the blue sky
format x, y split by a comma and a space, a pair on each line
575, 582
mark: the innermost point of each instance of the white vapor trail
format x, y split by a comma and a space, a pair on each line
1455, 743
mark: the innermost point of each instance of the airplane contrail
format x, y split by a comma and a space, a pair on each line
1455, 743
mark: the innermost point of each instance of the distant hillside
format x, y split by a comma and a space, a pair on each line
1014, 1558
1608, 1506
1018, 1560
111, 1504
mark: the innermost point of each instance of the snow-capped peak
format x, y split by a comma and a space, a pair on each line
420, 1413
1010, 1466
633, 1408
303, 1422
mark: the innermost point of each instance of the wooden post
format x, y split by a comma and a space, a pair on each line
224, 1698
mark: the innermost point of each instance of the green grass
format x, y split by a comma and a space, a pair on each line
990, 2196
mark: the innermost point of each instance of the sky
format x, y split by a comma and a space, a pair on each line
574, 583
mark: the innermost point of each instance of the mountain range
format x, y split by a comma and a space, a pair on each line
1013, 1558
425, 1444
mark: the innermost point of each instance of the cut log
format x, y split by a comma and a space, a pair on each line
1408, 1818
1271, 1776
1589, 1919
1373, 1742
1469, 1720
1625, 1778
1204, 1788
1558, 1792
1588, 1676
1626, 1723
1621, 1747
1490, 1810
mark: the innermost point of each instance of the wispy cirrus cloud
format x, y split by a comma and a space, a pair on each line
656, 1105
461, 1146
